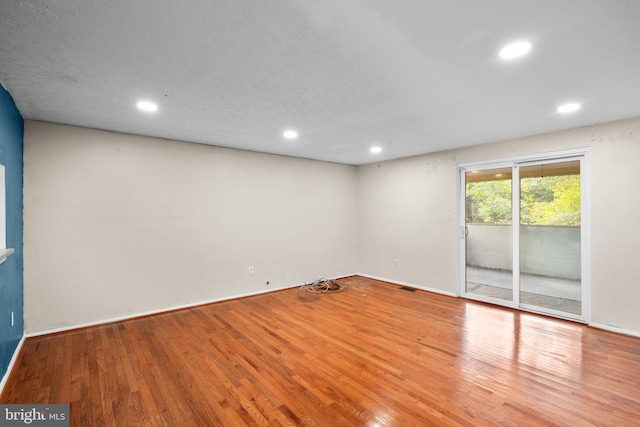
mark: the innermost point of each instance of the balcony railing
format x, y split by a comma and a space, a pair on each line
546, 250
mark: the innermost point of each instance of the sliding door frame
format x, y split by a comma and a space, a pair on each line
581, 154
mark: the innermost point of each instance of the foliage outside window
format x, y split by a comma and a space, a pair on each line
550, 200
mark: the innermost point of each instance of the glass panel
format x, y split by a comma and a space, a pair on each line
550, 241
489, 253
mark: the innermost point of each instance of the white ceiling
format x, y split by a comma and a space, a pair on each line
411, 76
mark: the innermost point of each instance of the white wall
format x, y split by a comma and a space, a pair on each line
117, 224
402, 214
403, 206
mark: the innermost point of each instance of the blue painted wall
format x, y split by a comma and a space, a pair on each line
11, 283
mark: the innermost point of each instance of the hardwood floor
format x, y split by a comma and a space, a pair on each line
374, 355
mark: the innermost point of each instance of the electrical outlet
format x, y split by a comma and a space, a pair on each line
396, 262
448, 216
251, 270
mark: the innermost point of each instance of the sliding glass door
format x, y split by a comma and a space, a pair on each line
522, 237
550, 237
489, 231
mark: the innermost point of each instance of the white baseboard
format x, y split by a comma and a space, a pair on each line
12, 362
396, 282
614, 329
159, 311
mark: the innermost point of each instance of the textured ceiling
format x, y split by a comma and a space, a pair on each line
411, 76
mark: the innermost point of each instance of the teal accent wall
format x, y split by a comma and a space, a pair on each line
11, 278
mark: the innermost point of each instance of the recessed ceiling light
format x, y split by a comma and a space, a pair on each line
290, 134
568, 108
376, 150
147, 106
515, 50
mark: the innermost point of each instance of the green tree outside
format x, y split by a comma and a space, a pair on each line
551, 200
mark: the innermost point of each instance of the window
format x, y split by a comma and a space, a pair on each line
3, 212
4, 251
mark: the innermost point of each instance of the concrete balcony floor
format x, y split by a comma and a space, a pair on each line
553, 293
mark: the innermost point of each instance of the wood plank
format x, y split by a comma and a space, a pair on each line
371, 355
